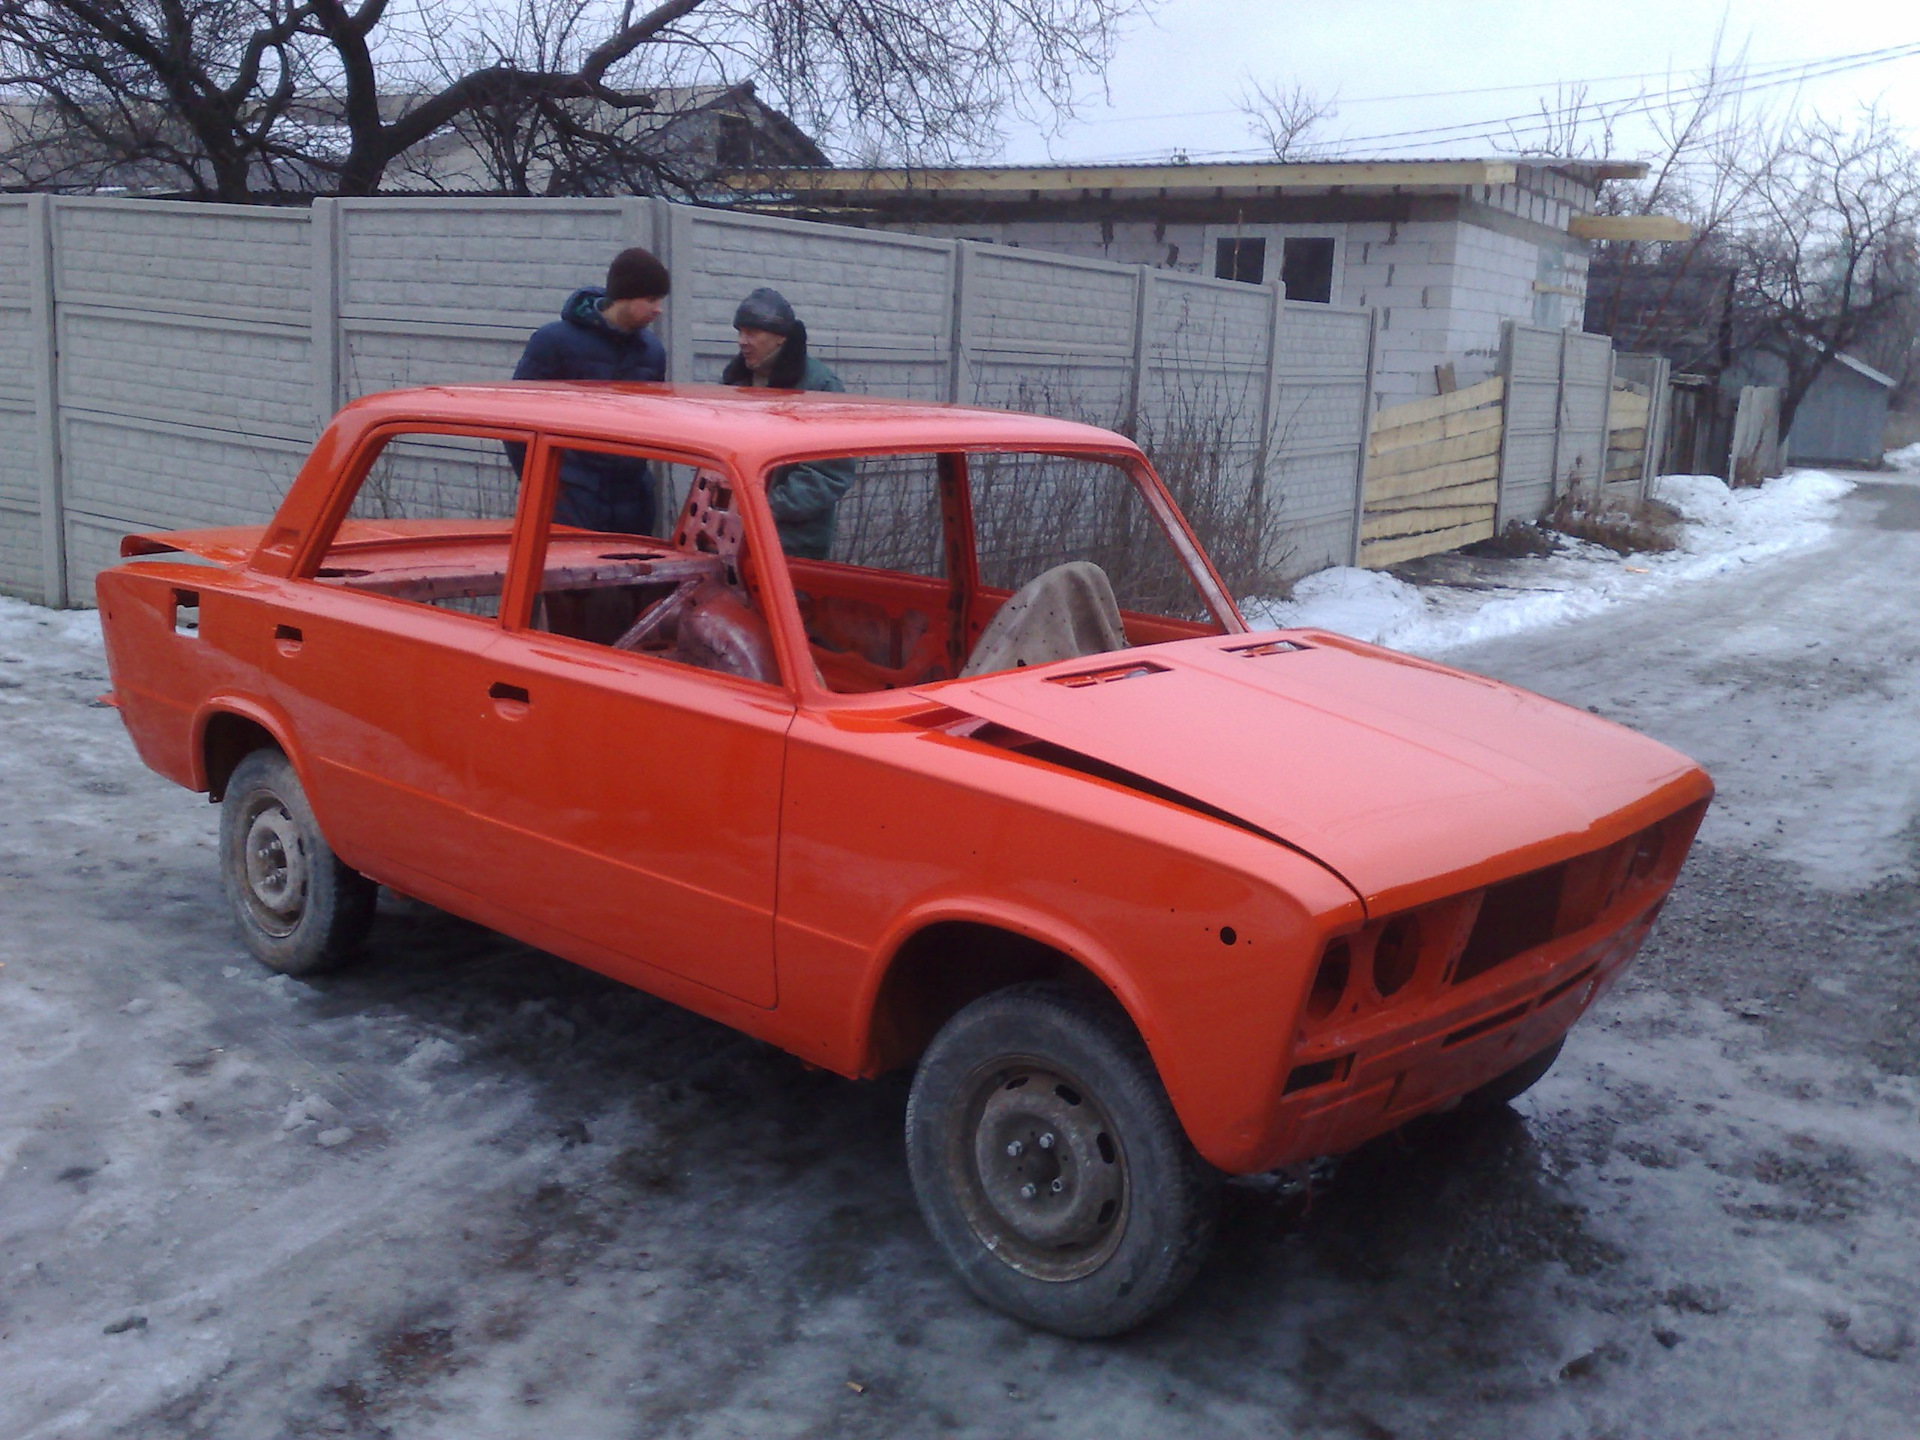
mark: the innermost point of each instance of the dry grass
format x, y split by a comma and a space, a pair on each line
1642, 527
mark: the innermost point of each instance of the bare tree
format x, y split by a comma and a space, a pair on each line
190, 89
228, 95
1285, 119
1804, 235
1825, 247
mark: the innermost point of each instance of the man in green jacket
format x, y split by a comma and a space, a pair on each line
773, 353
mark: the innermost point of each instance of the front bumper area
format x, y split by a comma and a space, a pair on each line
1380, 1081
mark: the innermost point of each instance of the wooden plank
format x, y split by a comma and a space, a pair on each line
1634, 440
1481, 467
1477, 493
1440, 452
1447, 427
1378, 553
1423, 522
1472, 398
1629, 227
1627, 410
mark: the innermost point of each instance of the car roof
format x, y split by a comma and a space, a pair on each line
742, 424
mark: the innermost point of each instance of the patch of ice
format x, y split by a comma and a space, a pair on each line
1721, 529
1907, 458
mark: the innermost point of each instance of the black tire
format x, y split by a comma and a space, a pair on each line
299, 909
1515, 1082
1050, 1166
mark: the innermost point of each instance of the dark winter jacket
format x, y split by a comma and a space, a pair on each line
597, 492
803, 498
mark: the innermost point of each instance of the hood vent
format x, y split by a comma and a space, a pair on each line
1265, 647
1132, 670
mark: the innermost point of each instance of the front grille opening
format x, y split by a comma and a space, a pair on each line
1396, 955
1514, 916
1319, 1072
1330, 981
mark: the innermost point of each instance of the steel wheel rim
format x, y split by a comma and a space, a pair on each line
273, 867
1042, 1177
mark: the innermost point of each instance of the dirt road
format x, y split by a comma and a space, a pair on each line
468, 1191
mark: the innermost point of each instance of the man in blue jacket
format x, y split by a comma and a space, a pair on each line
602, 334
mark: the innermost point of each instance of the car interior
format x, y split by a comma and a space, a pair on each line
896, 605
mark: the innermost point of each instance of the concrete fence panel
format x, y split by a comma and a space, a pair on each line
185, 367
877, 306
1586, 385
1528, 461
429, 291
1051, 333
1317, 426
22, 571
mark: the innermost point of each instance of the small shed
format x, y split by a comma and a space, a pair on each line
1843, 417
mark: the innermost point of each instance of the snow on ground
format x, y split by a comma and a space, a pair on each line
464, 1191
1724, 530
1906, 459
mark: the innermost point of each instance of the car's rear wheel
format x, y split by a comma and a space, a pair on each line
1515, 1082
1050, 1166
298, 908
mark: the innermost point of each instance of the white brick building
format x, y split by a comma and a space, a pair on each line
1444, 250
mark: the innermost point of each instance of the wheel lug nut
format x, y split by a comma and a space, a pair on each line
1058, 1185
1046, 1141
1015, 1149
1028, 1191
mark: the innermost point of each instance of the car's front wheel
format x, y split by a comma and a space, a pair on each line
1515, 1082
299, 909
1050, 1166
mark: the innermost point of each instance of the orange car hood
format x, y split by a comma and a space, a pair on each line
1402, 777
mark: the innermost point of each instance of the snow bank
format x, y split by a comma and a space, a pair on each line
1906, 458
1723, 529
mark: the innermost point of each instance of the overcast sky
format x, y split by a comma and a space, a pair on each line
1176, 78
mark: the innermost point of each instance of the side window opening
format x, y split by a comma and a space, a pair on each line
691, 598
877, 606
429, 524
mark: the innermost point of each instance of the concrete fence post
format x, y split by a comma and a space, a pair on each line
324, 239
1142, 323
1270, 395
1501, 500
1558, 487
1597, 486
44, 350
1659, 417
673, 243
1366, 436
960, 326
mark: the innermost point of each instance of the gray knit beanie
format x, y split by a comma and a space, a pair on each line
766, 309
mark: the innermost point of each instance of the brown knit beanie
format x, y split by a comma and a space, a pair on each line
636, 274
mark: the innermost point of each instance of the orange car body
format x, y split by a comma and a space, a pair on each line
1333, 886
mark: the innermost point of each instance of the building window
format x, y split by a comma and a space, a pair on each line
1243, 260
1306, 269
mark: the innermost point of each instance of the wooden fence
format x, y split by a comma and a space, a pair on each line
1433, 474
